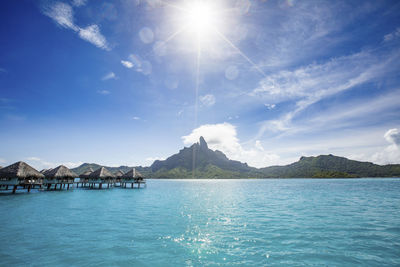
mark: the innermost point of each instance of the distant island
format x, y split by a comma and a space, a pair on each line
198, 161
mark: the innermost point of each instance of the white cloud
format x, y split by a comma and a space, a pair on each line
136, 118
223, 137
391, 154
109, 76
270, 106
138, 64
93, 35
104, 92
63, 15
79, 3
391, 36
207, 100
33, 159
3, 70
127, 64
393, 136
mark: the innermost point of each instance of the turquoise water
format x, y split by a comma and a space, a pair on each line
300, 222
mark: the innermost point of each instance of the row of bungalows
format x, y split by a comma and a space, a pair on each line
102, 176
132, 177
22, 175
97, 178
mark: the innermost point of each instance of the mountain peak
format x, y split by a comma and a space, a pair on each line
203, 143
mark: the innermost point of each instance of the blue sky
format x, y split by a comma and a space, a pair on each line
126, 82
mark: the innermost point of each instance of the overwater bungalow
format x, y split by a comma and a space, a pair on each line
99, 177
84, 177
132, 177
61, 176
20, 174
118, 175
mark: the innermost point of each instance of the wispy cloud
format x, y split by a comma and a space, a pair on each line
109, 76
270, 106
63, 15
2, 70
135, 118
14, 117
79, 2
207, 100
40, 163
103, 92
391, 36
93, 35
310, 84
138, 64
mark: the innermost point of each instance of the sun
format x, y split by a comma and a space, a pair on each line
200, 18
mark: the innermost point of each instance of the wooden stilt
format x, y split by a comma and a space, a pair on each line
14, 189
29, 188
68, 187
7, 187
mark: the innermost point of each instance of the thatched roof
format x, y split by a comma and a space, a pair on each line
44, 170
132, 174
101, 173
85, 174
20, 170
60, 172
119, 173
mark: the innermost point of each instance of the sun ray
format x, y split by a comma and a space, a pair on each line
173, 6
172, 36
198, 57
240, 52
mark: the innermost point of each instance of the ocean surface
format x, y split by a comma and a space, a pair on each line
298, 222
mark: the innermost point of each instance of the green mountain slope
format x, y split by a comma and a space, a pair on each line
331, 166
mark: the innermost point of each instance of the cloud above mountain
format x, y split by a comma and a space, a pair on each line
223, 137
